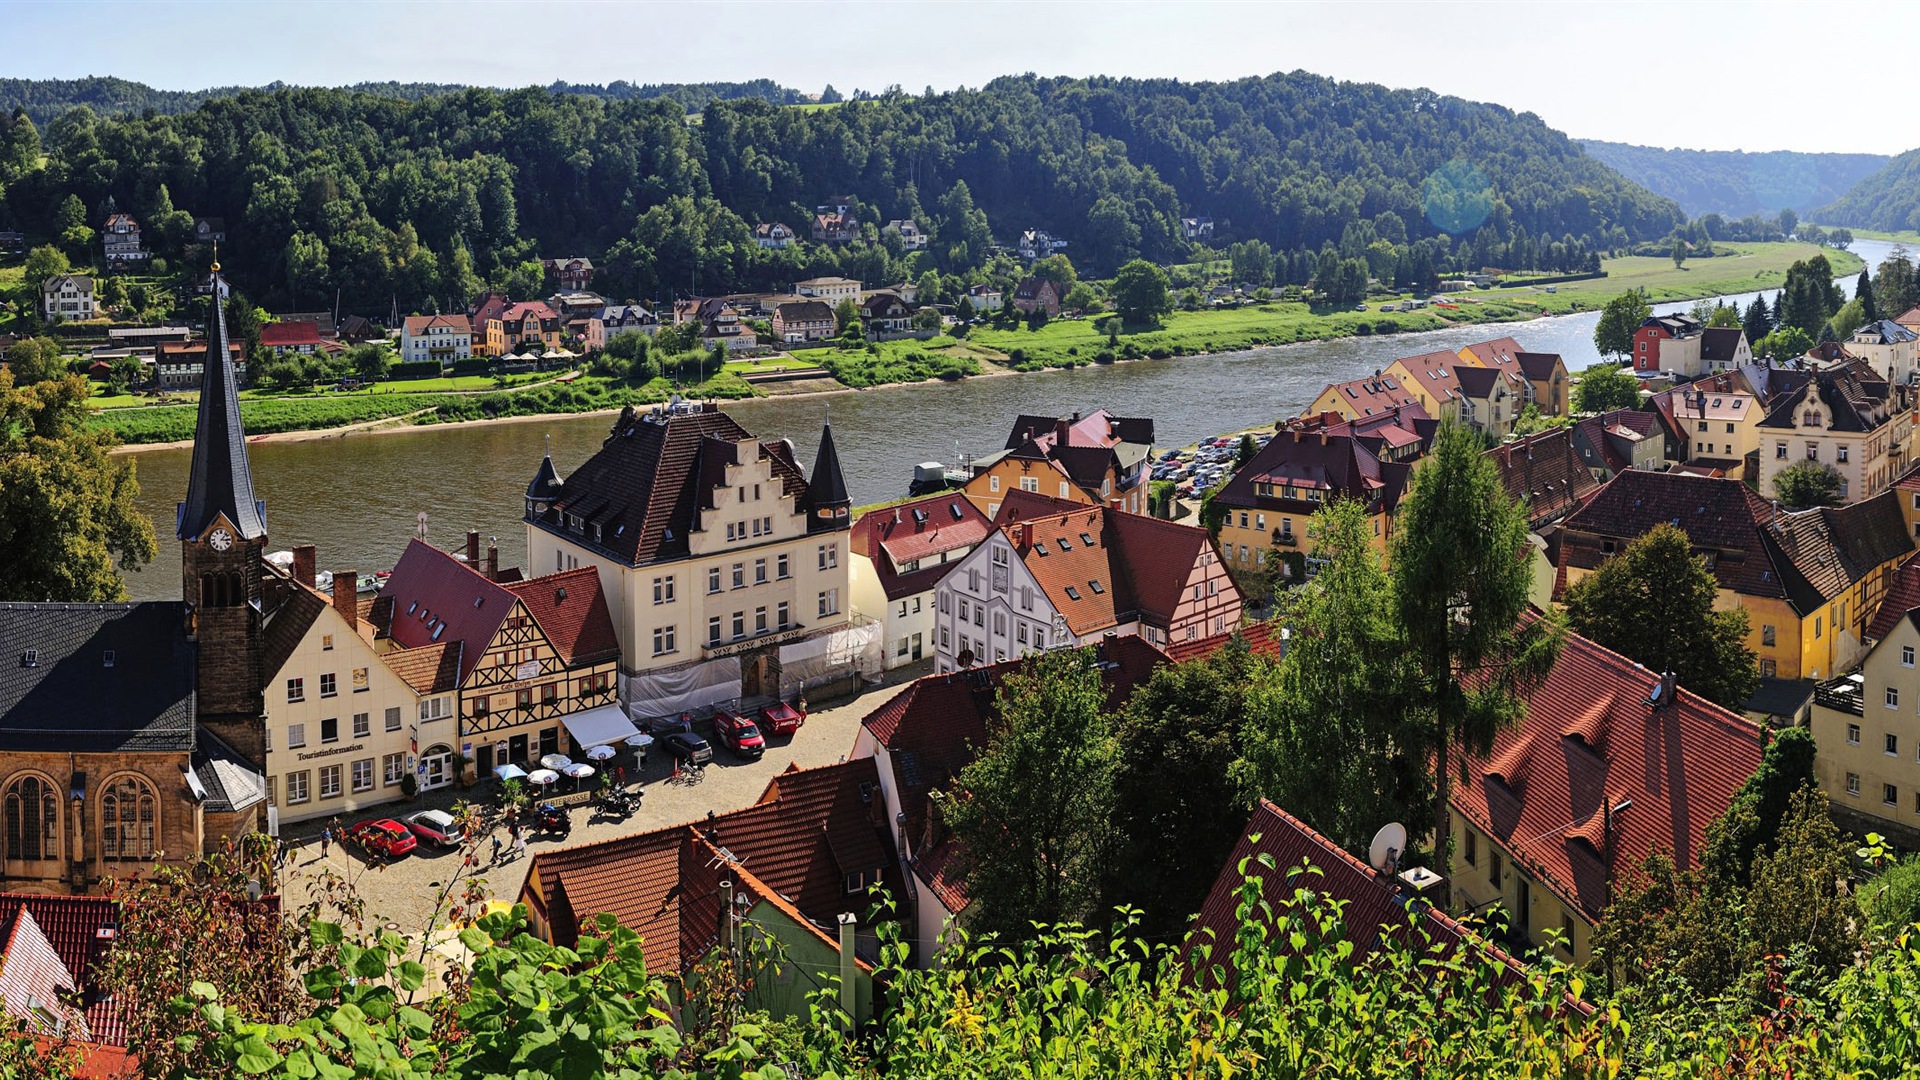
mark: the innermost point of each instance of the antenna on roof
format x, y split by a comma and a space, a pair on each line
1388, 844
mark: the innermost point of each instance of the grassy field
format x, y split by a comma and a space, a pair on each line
1752, 268
1905, 237
770, 363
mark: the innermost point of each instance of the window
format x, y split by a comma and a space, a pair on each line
780, 567
1889, 794
1766, 635
1470, 848
296, 736
829, 555
979, 615
993, 483
759, 571
663, 642
1819, 625
1020, 633
1767, 669
296, 690
328, 687
363, 775
330, 730
1893, 697
1813, 451
436, 708
739, 575
943, 637
1063, 489
1853, 734
760, 620
1840, 452
1566, 932
1780, 451
33, 820
1493, 868
1853, 783
713, 631
830, 603
329, 781
1030, 483
1906, 656
130, 819
713, 579
1892, 745
393, 718
359, 680
272, 792
326, 642
392, 767
362, 725
663, 590
739, 625
481, 707
781, 616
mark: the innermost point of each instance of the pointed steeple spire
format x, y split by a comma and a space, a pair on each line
220, 483
827, 488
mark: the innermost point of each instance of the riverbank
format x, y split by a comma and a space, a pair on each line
1062, 343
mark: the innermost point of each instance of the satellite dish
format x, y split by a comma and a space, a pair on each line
1387, 847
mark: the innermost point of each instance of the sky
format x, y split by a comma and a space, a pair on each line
1708, 75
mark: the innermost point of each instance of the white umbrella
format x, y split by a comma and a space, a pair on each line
509, 772
556, 762
579, 770
640, 741
542, 777
601, 753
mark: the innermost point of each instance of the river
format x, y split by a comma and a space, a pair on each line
358, 498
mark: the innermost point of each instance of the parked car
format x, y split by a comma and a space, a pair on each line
738, 734
688, 747
781, 718
437, 827
662, 725
384, 836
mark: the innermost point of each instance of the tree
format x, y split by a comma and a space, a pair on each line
371, 361
1863, 293
43, 262
1809, 297
1461, 581
1758, 322
1111, 237
123, 375
1619, 320
68, 521
1604, 387
1785, 343
72, 214
1058, 269
1806, 484
1679, 252
1653, 603
1896, 287
1244, 451
1177, 807
845, 314
1337, 738
1851, 316
35, 360
1082, 298
1034, 811
1788, 222
1725, 315
1140, 293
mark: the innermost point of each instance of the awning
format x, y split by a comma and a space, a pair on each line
599, 726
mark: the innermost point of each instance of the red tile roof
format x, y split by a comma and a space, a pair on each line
71, 925
1589, 743
1434, 373
572, 611
1377, 394
1261, 637
1118, 565
891, 537
420, 324
1538, 366
1018, 505
429, 669
1902, 596
289, 334
1500, 352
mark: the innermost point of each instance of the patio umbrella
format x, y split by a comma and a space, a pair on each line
542, 777
601, 753
556, 762
640, 741
509, 772
579, 770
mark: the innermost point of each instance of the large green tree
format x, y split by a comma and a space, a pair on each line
35, 360
1809, 296
1461, 579
1758, 321
1140, 293
1806, 484
1338, 738
1653, 603
1034, 812
1613, 335
68, 522
1604, 387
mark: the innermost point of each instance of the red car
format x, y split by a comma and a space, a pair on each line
738, 734
385, 837
781, 718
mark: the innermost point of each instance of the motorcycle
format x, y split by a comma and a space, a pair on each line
550, 818
619, 803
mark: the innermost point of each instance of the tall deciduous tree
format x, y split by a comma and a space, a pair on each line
1140, 293
1605, 386
1034, 811
1653, 603
1613, 335
68, 522
1806, 484
43, 262
1338, 739
35, 360
1461, 578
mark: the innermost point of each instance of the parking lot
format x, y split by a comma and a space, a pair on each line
403, 895
1198, 468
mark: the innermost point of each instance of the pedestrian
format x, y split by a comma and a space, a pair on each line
496, 850
326, 838
519, 847
280, 856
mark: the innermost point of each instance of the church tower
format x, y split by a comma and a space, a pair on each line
223, 536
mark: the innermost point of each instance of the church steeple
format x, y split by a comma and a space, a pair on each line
220, 483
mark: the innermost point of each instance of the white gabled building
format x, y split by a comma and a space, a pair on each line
446, 338
899, 556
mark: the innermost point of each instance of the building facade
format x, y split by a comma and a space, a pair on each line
1098, 458
445, 338
1866, 731
899, 554
1847, 417
68, 298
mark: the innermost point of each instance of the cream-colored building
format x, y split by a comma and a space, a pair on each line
1866, 731
341, 724
1720, 425
724, 566
900, 553
1847, 417
1892, 349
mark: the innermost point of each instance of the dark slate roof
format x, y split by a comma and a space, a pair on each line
545, 485
1779, 697
1854, 400
1545, 470
646, 485
1540, 366
1883, 332
1720, 344
828, 488
1335, 464
220, 481
232, 784
69, 700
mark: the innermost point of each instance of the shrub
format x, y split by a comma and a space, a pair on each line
1018, 356
1159, 352
1104, 356
1363, 328
415, 369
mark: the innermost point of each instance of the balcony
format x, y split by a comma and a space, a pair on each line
1844, 694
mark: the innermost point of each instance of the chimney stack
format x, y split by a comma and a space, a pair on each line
1060, 431
346, 596
473, 548
493, 559
1667, 686
305, 560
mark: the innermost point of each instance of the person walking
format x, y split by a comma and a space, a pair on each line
496, 850
519, 847
326, 839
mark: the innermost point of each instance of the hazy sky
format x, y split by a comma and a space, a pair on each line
1714, 75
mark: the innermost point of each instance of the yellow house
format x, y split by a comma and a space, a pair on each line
1809, 581
1359, 398
1722, 426
1866, 725
1430, 380
1099, 458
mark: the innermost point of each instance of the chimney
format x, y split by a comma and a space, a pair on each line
305, 557
849, 1000
493, 559
1296, 434
1060, 427
726, 916
1666, 689
346, 596
473, 547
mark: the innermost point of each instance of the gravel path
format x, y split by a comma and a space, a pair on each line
403, 896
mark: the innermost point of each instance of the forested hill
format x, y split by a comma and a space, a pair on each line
1888, 199
383, 198
45, 99
1734, 183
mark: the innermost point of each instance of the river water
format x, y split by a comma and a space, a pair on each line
358, 498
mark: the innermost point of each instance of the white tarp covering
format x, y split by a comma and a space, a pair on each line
599, 726
677, 690
828, 657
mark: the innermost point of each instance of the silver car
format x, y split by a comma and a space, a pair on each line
437, 827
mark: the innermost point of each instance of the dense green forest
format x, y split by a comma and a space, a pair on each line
45, 99
1888, 199
1734, 183
388, 200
